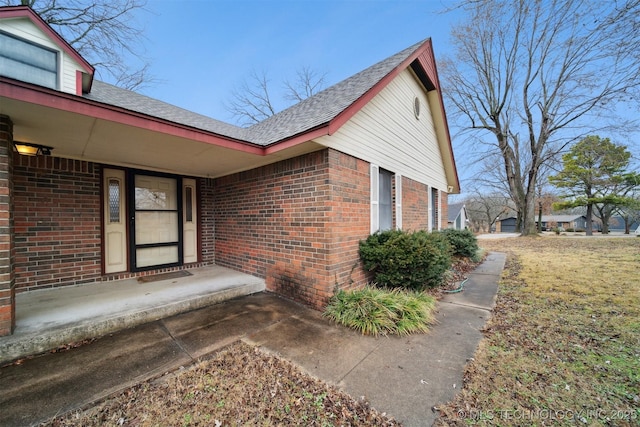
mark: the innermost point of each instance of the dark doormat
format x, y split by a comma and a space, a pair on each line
164, 276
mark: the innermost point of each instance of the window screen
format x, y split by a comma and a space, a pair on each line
434, 209
385, 203
28, 62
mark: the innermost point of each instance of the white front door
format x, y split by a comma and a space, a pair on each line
150, 220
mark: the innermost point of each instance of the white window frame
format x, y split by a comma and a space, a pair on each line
438, 205
374, 172
375, 199
398, 202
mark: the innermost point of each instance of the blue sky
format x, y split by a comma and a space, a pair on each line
201, 50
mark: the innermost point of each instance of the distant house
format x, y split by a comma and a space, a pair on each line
457, 216
100, 183
574, 222
616, 225
507, 225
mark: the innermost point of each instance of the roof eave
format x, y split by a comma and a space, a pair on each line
30, 93
423, 57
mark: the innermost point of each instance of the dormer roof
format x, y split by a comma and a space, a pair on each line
24, 23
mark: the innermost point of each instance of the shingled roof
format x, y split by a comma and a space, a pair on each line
454, 210
112, 95
313, 112
324, 106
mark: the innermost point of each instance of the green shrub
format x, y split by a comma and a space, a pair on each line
463, 242
407, 260
375, 311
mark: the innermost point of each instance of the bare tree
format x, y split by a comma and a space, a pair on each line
485, 209
104, 32
252, 101
307, 83
532, 76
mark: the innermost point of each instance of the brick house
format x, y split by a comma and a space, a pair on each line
119, 185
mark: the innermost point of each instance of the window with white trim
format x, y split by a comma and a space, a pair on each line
399, 201
382, 199
29, 62
435, 209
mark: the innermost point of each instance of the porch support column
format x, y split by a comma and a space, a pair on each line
7, 277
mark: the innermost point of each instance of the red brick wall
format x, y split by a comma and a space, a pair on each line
415, 205
349, 219
206, 222
57, 222
297, 223
7, 248
444, 210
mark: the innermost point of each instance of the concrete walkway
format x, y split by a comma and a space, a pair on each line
402, 376
49, 318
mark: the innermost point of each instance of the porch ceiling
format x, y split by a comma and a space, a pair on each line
80, 136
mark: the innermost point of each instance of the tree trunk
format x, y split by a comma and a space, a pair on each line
529, 216
539, 217
589, 229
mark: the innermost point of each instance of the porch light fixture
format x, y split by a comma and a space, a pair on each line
29, 149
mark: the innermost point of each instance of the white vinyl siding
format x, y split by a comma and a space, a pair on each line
386, 132
68, 74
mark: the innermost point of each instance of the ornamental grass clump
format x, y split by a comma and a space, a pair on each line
410, 260
375, 311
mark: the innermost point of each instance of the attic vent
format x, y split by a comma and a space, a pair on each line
416, 107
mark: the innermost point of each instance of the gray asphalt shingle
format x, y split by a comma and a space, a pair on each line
313, 112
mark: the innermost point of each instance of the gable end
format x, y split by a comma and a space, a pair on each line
31, 37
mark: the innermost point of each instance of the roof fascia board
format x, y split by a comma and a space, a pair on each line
337, 122
27, 12
299, 139
426, 59
33, 94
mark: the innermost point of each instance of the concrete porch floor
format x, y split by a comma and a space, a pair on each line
47, 319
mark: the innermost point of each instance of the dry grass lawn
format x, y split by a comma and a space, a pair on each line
562, 348
563, 345
240, 386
